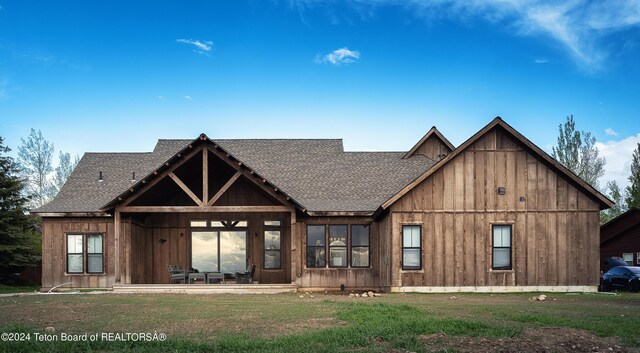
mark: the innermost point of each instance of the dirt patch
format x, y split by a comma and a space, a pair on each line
532, 340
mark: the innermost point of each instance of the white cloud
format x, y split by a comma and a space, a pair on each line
540, 61
340, 56
201, 47
581, 27
610, 132
188, 98
618, 154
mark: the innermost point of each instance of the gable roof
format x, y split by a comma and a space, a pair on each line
619, 225
432, 133
537, 151
316, 173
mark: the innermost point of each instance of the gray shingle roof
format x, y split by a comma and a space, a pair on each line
316, 173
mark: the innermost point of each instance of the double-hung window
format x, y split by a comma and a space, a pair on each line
411, 247
501, 247
85, 253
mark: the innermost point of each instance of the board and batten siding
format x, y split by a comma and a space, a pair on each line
54, 247
333, 278
555, 234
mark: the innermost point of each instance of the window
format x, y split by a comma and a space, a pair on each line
330, 245
272, 243
80, 244
198, 224
638, 259
316, 246
74, 253
501, 247
94, 254
411, 247
628, 258
360, 245
337, 246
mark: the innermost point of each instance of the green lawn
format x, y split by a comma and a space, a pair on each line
324, 323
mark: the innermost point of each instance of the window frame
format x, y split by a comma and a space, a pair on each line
412, 268
623, 259
84, 253
510, 247
350, 231
271, 228
316, 246
81, 235
86, 239
329, 246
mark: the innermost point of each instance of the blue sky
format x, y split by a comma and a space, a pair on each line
118, 75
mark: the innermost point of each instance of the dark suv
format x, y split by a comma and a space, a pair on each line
621, 277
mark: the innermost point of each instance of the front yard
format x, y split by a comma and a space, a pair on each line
325, 322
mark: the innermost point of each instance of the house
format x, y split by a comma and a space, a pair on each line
493, 214
621, 237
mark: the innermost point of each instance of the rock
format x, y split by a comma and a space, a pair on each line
358, 295
377, 294
307, 293
351, 295
364, 295
301, 296
311, 296
370, 294
542, 297
49, 329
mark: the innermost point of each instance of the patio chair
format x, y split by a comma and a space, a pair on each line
176, 273
246, 277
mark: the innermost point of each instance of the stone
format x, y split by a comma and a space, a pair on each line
351, 295
364, 295
311, 296
542, 297
377, 294
358, 295
370, 293
49, 329
301, 296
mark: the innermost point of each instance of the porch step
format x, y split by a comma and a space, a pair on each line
205, 288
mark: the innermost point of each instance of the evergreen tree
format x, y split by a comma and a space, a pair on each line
633, 189
576, 150
19, 240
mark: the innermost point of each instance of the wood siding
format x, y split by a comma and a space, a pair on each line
333, 278
555, 233
152, 255
433, 148
626, 241
54, 247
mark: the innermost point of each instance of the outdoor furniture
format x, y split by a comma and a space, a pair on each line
214, 277
194, 276
176, 273
246, 277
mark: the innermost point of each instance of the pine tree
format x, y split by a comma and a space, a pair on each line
633, 189
19, 244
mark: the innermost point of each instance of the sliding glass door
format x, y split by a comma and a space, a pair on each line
219, 251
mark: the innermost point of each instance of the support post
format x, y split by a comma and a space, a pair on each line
116, 238
295, 252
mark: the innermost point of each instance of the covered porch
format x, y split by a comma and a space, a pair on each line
207, 213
